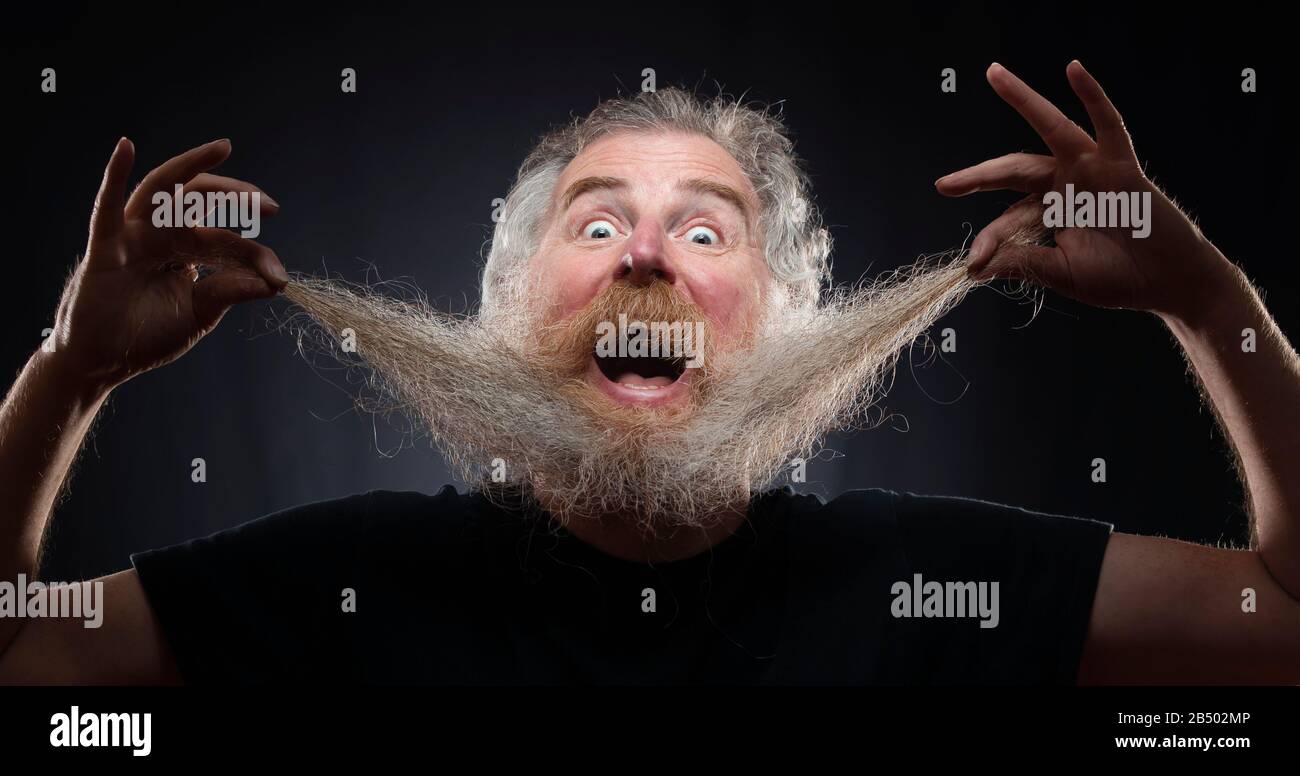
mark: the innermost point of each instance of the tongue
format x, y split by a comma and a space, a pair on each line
632, 378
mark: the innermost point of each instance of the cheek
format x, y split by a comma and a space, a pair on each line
568, 283
731, 302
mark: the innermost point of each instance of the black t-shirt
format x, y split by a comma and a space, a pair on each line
463, 589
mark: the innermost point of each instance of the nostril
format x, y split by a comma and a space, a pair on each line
646, 268
626, 268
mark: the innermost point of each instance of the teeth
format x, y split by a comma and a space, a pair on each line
641, 387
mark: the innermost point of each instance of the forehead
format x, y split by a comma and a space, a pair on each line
652, 159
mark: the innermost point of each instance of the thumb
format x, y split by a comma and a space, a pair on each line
214, 294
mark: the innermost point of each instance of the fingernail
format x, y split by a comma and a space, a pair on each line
279, 274
270, 201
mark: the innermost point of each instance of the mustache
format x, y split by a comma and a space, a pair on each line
569, 343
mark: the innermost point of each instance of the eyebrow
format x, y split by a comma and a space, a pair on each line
696, 185
592, 183
721, 190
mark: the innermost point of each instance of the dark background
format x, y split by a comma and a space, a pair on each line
401, 176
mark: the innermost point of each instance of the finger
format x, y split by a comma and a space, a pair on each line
106, 219
1040, 264
1017, 172
226, 249
1112, 138
1022, 223
1063, 137
1018, 253
214, 294
207, 183
178, 169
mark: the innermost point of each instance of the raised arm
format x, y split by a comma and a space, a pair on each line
134, 303
1165, 610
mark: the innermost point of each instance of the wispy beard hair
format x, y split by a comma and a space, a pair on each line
506, 401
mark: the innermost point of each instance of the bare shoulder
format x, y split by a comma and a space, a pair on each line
1169, 611
116, 640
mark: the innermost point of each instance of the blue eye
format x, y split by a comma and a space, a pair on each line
599, 230
702, 235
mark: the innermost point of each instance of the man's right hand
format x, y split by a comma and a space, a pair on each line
136, 301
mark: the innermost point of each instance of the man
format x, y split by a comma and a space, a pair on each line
619, 530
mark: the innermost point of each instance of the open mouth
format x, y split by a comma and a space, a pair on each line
641, 374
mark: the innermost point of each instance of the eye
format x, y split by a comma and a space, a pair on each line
702, 235
599, 230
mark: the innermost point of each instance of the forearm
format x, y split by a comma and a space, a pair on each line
1256, 396
43, 422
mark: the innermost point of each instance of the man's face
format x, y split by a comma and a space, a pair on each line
589, 441
636, 209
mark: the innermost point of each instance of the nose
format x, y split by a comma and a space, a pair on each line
646, 259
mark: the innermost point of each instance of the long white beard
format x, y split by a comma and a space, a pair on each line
490, 390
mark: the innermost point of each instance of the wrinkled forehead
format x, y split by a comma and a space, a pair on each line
655, 164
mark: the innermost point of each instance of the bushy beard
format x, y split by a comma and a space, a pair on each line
506, 401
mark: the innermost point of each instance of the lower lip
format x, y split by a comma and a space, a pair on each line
635, 396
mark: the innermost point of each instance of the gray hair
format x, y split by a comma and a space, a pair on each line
797, 245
